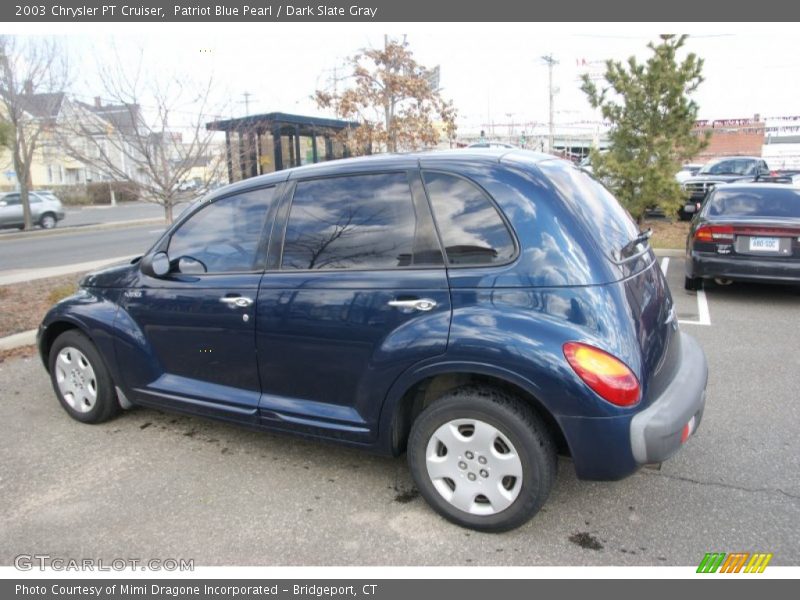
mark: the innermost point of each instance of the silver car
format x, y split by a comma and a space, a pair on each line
46, 210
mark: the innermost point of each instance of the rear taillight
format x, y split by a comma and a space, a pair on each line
714, 233
605, 374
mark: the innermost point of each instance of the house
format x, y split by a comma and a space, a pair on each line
63, 139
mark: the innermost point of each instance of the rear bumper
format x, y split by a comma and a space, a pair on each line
659, 430
743, 268
611, 448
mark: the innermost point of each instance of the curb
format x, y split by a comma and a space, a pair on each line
79, 228
671, 252
17, 340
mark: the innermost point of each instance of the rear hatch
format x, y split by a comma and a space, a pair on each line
632, 265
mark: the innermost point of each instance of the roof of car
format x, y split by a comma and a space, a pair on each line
378, 162
722, 158
755, 186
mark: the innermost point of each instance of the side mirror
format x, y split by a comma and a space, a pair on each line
155, 265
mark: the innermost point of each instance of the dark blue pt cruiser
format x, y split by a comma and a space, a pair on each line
482, 310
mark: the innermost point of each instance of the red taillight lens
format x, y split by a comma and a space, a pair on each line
714, 233
605, 374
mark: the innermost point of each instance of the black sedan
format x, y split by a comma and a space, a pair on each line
746, 232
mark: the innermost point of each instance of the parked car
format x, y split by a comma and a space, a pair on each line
687, 171
480, 310
723, 170
189, 185
746, 232
46, 210
491, 145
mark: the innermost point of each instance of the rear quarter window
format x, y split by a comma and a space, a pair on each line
597, 208
473, 232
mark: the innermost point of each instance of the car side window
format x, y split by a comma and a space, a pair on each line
12, 200
351, 222
472, 230
225, 235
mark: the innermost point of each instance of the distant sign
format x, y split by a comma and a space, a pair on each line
432, 77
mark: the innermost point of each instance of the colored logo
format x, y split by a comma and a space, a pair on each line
736, 562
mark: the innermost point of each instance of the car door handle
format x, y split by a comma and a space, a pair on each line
237, 301
423, 304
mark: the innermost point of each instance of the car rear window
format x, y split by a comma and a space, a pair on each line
599, 210
782, 202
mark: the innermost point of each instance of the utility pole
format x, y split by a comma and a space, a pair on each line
247, 102
550, 62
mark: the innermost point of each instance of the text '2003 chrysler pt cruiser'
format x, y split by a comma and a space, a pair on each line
482, 310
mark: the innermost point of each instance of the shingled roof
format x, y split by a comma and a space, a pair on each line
124, 117
42, 105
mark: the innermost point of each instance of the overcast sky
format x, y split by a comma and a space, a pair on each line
490, 70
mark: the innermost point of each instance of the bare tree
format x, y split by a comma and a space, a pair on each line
33, 75
147, 132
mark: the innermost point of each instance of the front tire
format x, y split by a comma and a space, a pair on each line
482, 458
81, 380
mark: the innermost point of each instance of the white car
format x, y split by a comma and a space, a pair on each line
491, 145
687, 171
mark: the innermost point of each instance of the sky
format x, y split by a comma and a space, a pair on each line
492, 71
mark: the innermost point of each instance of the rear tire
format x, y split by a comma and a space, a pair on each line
81, 380
692, 284
48, 221
482, 458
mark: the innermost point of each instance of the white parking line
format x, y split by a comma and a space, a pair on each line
703, 314
704, 317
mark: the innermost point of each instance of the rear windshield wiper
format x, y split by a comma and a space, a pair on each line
642, 238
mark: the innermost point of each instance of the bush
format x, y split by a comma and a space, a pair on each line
98, 193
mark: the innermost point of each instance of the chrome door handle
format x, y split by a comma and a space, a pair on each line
423, 304
237, 301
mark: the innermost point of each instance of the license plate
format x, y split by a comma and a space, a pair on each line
689, 208
764, 244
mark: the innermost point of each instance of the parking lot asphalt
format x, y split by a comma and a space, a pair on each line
157, 485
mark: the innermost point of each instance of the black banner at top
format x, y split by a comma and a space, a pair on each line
150, 11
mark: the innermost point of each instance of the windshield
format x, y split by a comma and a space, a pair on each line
779, 202
730, 167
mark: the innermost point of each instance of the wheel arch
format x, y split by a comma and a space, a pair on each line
409, 397
51, 332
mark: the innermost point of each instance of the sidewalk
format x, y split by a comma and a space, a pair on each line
20, 275
69, 229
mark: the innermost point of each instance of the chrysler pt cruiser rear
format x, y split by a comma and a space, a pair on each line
482, 311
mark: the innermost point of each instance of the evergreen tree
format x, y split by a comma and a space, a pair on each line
651, 118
